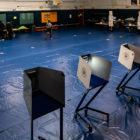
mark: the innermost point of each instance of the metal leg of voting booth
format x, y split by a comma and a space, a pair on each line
32, 135
86, 107
61, 123
61, 127
122, 85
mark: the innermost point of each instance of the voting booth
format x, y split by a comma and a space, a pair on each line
44, 92
129, 57
93, 72
138, 21
110, 20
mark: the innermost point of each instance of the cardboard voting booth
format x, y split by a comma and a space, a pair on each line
129, 57
93, 72
44, 92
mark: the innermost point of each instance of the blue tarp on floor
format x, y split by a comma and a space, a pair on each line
30, 50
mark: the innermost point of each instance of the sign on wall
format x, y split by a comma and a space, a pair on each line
45, 16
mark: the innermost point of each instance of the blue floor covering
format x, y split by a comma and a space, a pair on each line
30, 50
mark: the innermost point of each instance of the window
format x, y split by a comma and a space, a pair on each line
26, 18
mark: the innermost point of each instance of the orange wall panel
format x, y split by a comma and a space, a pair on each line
45, 16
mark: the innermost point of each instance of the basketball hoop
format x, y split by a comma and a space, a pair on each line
57, 2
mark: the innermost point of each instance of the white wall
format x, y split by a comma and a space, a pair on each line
110, 4
25, 5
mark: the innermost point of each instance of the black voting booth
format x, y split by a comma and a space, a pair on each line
44, 92
129, 56
93, 72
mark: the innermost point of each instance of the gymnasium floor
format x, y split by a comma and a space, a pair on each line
30, 50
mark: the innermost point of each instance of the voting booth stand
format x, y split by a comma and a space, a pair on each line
110, 20
44, 92
93, 72
129, 56
138, 21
